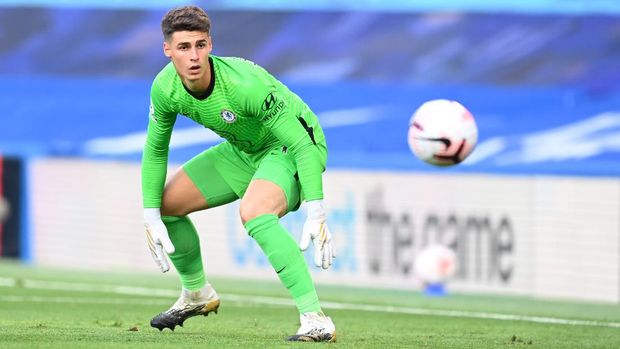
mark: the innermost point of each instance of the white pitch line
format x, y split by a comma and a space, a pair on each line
7, 282
85, 300
72, 286
469, 314
273, 301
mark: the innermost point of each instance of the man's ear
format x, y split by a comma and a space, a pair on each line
167, 50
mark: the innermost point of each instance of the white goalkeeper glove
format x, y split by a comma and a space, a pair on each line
316, 229
157, 238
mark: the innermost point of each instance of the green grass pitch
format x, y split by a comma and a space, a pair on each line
53, 308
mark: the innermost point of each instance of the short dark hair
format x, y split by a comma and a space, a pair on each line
185, 18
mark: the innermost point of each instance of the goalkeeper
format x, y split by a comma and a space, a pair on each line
272, 159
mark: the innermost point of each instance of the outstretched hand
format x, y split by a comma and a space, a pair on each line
157, 238
316, 229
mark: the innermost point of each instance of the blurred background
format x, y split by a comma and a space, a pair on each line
534, 211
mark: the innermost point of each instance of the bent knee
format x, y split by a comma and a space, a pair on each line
249, 210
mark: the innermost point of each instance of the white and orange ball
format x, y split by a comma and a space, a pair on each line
442, 132
435, 264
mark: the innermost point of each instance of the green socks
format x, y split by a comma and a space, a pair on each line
277, 244
286, 259
186, 257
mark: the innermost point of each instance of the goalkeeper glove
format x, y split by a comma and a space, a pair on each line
316, 229
157, 238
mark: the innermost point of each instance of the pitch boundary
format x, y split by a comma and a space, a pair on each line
272, 301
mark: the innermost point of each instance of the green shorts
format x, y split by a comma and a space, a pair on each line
222, 173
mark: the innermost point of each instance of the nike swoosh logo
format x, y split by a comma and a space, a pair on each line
443, 140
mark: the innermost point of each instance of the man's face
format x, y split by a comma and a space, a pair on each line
189, 51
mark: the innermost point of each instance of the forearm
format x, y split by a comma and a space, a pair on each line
309, 168
154, 170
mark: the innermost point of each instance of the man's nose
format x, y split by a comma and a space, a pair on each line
194, 54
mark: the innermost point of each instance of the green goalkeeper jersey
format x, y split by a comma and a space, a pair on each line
245, 105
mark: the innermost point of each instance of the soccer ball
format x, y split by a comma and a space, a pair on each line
442, 132
435, 264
